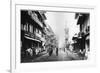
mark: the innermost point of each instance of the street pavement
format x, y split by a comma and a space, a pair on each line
62, 56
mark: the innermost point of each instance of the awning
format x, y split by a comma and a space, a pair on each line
32, 39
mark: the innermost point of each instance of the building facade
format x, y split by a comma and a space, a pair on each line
83, 37
32, 31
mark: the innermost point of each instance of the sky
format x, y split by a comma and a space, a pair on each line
58, 21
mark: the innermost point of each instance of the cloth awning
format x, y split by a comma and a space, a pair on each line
32, 39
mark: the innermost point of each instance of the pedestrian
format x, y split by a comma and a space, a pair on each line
57, 51
50, 51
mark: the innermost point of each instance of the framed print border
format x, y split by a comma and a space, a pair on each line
16, 66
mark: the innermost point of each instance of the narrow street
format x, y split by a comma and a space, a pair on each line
62, 56
42, 38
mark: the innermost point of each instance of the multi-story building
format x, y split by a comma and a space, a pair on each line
83, 21
84, 32
50, 38
32, 30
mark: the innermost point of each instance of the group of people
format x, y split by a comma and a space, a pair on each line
50, 51
32, 51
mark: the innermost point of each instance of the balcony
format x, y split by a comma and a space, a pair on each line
35, 18
40, 36
32, 36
